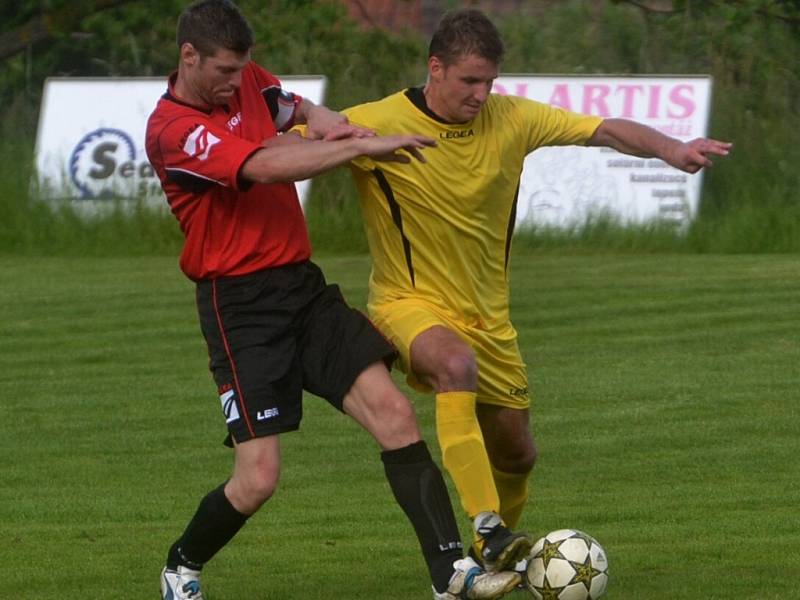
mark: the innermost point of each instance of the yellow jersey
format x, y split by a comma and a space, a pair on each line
441, 230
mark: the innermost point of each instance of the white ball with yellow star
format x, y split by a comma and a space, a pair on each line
567, 564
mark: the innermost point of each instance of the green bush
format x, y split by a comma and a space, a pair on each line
750, 199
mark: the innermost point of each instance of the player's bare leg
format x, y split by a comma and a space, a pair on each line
512, 452
444, 361
221, 514
378, 406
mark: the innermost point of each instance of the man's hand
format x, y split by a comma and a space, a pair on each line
345, 130
693, 156
385, 148
637, 139
326, 124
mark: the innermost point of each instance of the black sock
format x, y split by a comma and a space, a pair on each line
420, 491
213, 525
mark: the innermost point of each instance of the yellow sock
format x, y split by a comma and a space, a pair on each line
512, 488
464, 452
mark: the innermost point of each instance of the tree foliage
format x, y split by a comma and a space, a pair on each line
750, 47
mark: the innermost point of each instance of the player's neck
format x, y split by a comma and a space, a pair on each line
438, 107
186, 92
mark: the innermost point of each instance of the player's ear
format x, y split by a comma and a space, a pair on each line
189, 54
435, 68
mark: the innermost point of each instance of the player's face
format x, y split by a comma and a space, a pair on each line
215, 78
459, 90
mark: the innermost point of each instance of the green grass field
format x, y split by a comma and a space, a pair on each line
666, 411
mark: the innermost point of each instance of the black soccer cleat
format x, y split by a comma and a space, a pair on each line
500, 548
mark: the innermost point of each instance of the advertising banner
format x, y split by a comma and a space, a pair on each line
561, 186
90, 142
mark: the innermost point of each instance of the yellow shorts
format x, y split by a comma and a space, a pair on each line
502, 378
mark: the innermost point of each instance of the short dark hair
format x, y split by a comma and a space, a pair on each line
464, 32
212, 24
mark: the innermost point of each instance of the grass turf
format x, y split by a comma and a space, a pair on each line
666, 392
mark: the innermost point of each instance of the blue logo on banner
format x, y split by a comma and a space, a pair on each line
97, 158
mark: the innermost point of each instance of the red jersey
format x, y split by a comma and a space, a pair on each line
232, 226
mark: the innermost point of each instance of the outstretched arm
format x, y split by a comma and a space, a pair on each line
293, 160
634, 138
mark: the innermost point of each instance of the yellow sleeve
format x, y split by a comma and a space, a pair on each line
357, 117
552, 126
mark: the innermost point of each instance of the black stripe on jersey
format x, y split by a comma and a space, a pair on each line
191, 182
396, 217
512, 221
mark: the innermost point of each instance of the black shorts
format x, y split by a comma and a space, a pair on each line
277, 332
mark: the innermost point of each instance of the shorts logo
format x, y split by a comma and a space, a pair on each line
229, 408
270, 413
518, 391
200, 142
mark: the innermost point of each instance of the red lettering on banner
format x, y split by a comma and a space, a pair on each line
617, 99
560, 97
655, 97
677, 97
594, 100
628, 98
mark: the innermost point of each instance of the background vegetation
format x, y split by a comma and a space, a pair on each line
750, 47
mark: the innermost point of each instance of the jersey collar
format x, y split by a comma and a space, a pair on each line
172, 97
417, 97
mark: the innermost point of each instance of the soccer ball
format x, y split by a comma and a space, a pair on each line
567, 565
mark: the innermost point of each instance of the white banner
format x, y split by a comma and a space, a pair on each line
90, 142
561, 186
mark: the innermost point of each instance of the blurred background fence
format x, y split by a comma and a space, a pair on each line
371, 48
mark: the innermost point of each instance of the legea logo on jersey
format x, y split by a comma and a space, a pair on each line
200, 142
455, 135
104, 165
229, 408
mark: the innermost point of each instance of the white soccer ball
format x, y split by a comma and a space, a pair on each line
567, 565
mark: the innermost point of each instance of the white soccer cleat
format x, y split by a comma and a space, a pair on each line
470, 582
181, 584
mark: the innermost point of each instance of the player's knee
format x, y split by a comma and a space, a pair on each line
253, 490
528, 459
399, 413
520, 459
261, 490
396, 422
459, 371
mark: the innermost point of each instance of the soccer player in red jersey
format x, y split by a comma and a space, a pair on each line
272, 324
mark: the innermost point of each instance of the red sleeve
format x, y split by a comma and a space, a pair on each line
196, 151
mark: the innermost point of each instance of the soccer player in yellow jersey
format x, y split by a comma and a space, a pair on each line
439, 234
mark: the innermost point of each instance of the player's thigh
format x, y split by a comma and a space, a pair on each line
503, 401
336, 345
443, 359
253, 355
405, 322
502, 374
380, 408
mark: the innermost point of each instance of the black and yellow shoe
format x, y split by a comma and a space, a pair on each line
499, 548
